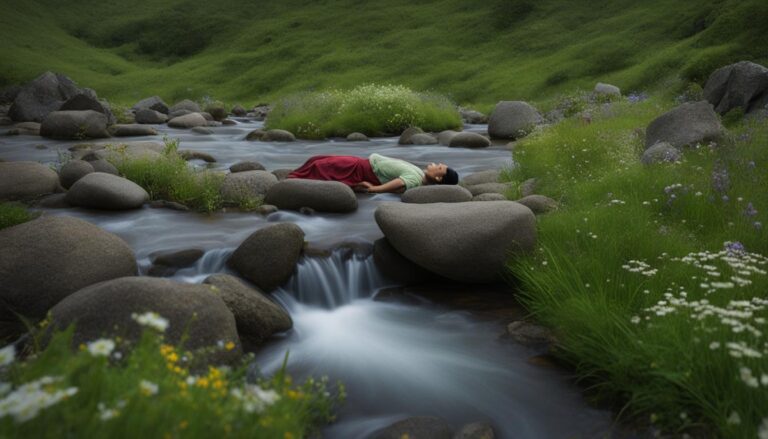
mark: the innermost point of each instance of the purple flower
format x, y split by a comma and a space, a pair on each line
636, 97
720, 179
757, 225
750, 210
725, 198
751, 164
734, 248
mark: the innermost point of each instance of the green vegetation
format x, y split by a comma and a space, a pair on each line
476, 52
654, 277
118, 389
374, 110
12, 214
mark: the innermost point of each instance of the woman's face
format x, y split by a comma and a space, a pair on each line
436, 171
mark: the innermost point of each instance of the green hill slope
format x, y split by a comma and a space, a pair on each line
475, 51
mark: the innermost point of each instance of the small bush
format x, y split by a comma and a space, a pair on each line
733, 117
373, 110
12, 214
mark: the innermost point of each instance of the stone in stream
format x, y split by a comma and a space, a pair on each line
186, 104
52, 201
228, 122
257, 317
166, 263
469, 140
741, 85
45, 260
467, 242
44, 94
188, 155
278, 136
87, 100
417, 427
132, 130
322, 196
444, 138
239, 111
608, 90
530, 334
512, 120
268, 257
661, 152
407, 134
74, 125
489, 176
74, 170
179, 113
99, 190
152, 103
26, 180
422, 139
686, 125
489, 196
190, 120
147, 116
217, 111
485, 188
202, 130
194, 313
246, 185
472, 116
281, 174
101, 165
436, 194
124, 151
246, 166
357, 137
255, 135
539, 204
261, 111
396, 266
266, 209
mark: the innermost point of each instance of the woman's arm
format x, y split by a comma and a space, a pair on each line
395, 185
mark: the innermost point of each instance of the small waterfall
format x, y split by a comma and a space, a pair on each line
213, 261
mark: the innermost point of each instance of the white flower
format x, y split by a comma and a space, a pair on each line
148, 387
5, 388
635, 320
26, 402
254, 398
714, 345
105, 413
101, 347
152, 320
7, 355
734, 419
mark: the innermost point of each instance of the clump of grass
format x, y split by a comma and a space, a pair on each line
370, 109
655, 276
171, 178
12, 214
114, 388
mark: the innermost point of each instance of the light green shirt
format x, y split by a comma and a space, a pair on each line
388, 169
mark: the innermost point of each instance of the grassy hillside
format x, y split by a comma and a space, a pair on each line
475, 51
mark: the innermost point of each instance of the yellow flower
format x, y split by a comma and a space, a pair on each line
82, 347
218, 384
182, 385
288, 435
183, 424
172, 357
229, 346
202, 382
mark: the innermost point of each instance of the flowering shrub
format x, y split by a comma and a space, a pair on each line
370, 109
114, 388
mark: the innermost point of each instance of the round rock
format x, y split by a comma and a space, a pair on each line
485, 188
74, 125
147, 116
246, 185
607, 90
466, 242
99, 190
132, 130
737, 85
489, 176
322, 196
246, 166
74, 170
278, 136
190, 120
688, 124
186, 104
436, 194
422, 139
152, 103
268, 256
489, 196
357, 137
405, 136
102, 165
24, 180
512, 120
539, 204
469, 140
661, 152
444, 138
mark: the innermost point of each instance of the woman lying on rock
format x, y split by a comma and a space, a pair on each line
376, 174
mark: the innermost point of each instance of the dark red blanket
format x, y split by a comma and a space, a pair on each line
347, 169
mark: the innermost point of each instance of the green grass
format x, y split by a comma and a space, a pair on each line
477, 52
12, 214
373, 110
118, 389
638, 339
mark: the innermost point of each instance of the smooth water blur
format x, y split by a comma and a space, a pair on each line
396, 360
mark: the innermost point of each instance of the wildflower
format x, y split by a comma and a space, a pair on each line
720, 179
254, 398
714, 345
7, 355
746, 375
762, 431
105, 413
148, 388
229, 346
750, 210
757, 225
152, 320
734, 419
29, 399
101, 347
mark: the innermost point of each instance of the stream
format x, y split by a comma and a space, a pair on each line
396, 359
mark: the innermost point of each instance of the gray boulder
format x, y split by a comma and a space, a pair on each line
396, 266
281, 174
26, 128
741, 85
102, 165
182, 112
688, 124
25, 180
255, 135
186, 104
539, 204
8, 94
177, 258
357, 137
246, 185
466, 242
512, 120
607, 90
472, 116
217, 111
469, 140
420, 427
405, 136
278, 136
125, 152
74, 125
257, 317
74, 170
444, 137
147, 116
485, 188
44, 94
202, 130
132, 130
489, 196
45, 260
246, 166
99, 190
422, 139
268, 256
194, 312
660, 153
190, 120
530, 334
152, 103
322, 196
260, 112
489, 176
87, 100
436, 194
188, 155
239, 111
528, 187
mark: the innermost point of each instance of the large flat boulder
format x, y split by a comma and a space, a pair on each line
45, 260
741, 85
257, 317
99, 190
322, 196
132, 130
25, 180
74, 170
74, 125
687, 125
186, 104
436, 194
268, 257
468, 242
195, 314
87, 100
245, 185
396, 266
489, 176
512, 120
44, 94
190, 120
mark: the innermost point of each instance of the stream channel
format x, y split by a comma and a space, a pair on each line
396, 359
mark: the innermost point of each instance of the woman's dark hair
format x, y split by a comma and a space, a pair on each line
450, 177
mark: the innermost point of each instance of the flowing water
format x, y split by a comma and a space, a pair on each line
397, 360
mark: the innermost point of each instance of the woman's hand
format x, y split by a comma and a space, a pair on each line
396, 185
363, 187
